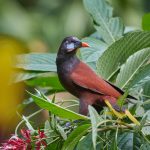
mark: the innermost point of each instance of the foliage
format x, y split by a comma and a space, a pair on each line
145, 22
42, 24
122, 58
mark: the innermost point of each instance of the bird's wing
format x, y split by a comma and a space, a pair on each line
84, 77
120, 91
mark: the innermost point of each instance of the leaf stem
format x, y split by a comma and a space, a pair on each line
28, 117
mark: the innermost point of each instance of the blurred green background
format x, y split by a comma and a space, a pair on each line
40, 26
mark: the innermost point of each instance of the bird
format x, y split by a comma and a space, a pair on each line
81, 81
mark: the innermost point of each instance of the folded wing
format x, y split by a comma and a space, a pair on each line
85, 77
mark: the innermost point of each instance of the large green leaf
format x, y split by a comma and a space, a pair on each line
55, 145
142, 77
110, 28
75, 136
146, 94
129, 140
48, 80
56, 109
91, 54
24, 75
146, 89
118, 52
36, 62
86, 143
131, 68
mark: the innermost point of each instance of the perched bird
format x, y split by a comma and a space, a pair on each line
81, 81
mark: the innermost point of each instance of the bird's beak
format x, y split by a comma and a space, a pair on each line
83, 44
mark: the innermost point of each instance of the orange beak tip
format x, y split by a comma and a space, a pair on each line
85, 44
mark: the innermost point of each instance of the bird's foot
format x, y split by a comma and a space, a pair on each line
115, 109
119, 108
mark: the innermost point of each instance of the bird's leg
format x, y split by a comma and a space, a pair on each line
123, 113
118, 108
83, 108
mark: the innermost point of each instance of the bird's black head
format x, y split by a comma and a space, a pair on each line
69, 46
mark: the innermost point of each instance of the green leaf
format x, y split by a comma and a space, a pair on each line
94, 121
114, 145
118, 52
146, 95
142, 77
146, 130
110, 28
86, 143
36, 62
91, 54
146, 90
145, 146
62, 132
139, 111
75, 136
96, 35
47, 129
56, 109
147, 116
129, 140
121, 100
129, 29
95, 44
28, 124
146, 22
47, 80
132, 67
55, 145
22, 76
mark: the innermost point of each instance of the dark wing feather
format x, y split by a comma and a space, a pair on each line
120, 91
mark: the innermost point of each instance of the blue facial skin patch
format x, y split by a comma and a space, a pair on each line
70, 46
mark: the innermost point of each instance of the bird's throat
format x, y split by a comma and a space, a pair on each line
66, 64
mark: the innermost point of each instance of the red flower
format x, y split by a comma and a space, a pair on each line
26, 134
16, 143
24, 143
41, 140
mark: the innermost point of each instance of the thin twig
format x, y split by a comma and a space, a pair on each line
53, 141
28, 117
71, 106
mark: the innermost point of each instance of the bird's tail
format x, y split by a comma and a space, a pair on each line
121, 115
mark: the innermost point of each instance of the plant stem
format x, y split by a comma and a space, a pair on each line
53, 141
72, 106
22, 121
